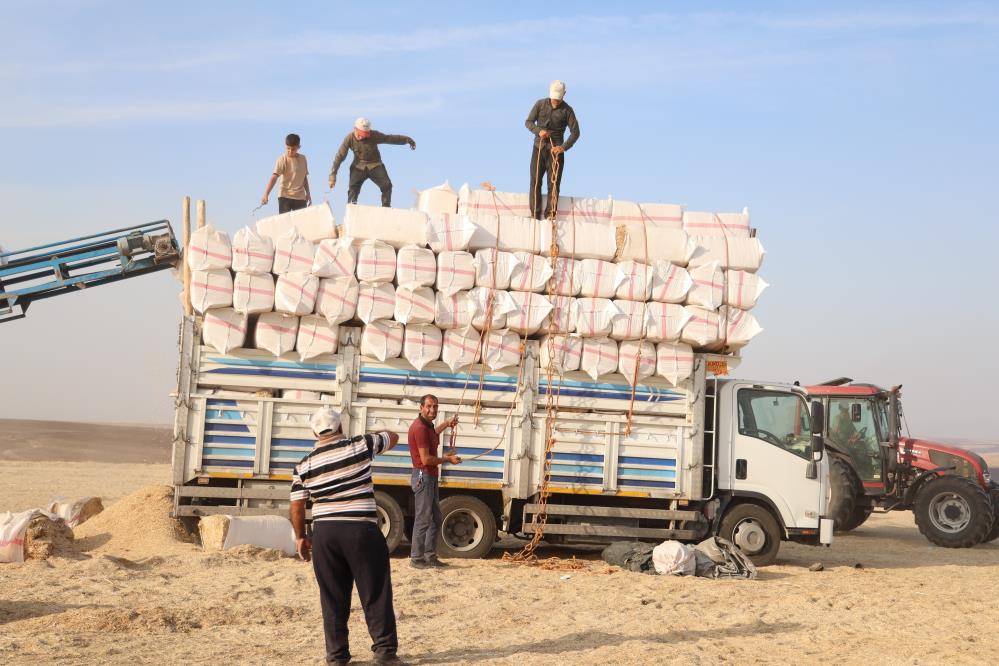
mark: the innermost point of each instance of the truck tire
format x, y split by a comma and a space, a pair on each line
390, 519
843, 485
468, 528
859, 516
754, 530
953, 512
994, 532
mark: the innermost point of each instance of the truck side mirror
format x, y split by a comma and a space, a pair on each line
818, 423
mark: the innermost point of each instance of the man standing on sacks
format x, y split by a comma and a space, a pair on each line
346, 545
363, 141
548, 120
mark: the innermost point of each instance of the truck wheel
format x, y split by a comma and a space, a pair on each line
953, 512
754, 530
468, 528
842, 493
859, 516
390, 519
994, 532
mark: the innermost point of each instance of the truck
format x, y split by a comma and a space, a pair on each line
873, 467
708, 456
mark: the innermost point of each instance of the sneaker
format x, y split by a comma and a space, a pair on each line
434, 561
419, 564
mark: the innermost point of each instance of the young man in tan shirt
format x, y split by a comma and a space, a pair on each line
293, 169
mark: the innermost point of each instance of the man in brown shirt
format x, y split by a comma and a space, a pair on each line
548, 121
367, 160
293, 169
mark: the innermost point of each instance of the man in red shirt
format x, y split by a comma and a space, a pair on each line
424, 440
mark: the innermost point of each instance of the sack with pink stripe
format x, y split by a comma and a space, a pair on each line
703, 329
493, 268
422, 344
316, 336
670, 283
293, 253
455, 272
740, 327
501, 349
375, 262
498, 300
484, 203
253, 293
636, 360
415, 306
295, 394
211, 289
375, 301
437, 200
743, 289
224, 329
529, 312
447, 232
415, 267
562, 318
276, 332
674, 361
567, 277
698, 223
337, 299
563, 352
582, 209
665, 321
382, 339
531, 273
584, 239
251, 252
314, 223
296, 293
742, 254
335, 257
599, 279
510, 234
631, 324
454, 310
396, 226
655, 215
636, 281
647, 244
708, 290
599, 357
595, 316
461, 348
209, 249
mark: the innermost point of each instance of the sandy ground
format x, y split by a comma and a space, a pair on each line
131, 592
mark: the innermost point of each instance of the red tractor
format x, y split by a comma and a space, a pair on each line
872, 467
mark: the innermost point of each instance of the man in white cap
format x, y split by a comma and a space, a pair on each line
367, 160
548, 120
346, 546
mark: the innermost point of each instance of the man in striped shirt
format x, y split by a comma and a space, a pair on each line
346, 544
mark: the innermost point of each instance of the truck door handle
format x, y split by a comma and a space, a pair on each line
740, 468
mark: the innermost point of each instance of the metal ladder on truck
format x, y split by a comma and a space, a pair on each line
59, 268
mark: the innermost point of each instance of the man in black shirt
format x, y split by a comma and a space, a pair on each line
547, 121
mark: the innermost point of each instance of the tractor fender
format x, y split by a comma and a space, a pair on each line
919, 480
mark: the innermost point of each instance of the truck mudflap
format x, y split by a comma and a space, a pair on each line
825, 531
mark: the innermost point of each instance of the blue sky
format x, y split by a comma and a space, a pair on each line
862, 136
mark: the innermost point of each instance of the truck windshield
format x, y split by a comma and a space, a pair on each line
852, 424
778, 418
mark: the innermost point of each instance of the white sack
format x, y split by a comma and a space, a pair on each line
501, 349
263, 531
276, 332
531, 273
631, 324
595, 316
251, 252
382, 339
493, 268
335, 257
599, 357
599, 279
313, 223
741, 254
670, 283
295, 293
562, 318
708, 290
375, 301
454, 310
211, 289
582, 209
422, 344
665, 321
529, 312
461, 348
437, 200
415, 306
743, 289
375, 262
455, 271
447, 232
636, 281
740, 327
253, 293
672, 245
337, 299
583, 239
209, 249
296, 394
396, 226
74, 513
415, 267
656, 215
12, 529
674, 361
501, 305
704, 329
672, 558
698, 223
631, 352
563, 351
293, 253
316, 336
224, 329
511, 234
484, 204
567, 276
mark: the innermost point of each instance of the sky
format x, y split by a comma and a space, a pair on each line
862, 136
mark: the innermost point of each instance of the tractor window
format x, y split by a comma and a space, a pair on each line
780, 419
851, 425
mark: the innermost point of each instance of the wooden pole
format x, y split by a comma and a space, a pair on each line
186, 268
201, 213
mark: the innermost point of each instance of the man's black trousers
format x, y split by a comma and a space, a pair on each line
344, 553
378, 175
543, 174
286, 205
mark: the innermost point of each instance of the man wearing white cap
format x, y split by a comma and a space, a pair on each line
547, 121
367, 160
346, 546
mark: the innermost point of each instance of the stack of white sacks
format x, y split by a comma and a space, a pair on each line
466, 276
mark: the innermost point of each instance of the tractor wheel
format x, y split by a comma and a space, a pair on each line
468, 528
953, 512
754, 530
842, 493
390, 519
994, 532
859, 516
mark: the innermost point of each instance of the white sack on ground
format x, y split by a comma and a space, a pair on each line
531, 273
672, 245
674, 361
632, 352
741, 254
501, 349
529, 312
511, 234
293, 253
583, 209
670, 283
437, 200
703, 329
461, 348
375, 262
599, 357
447, 232
656, 215
224, 329
422, 344
743, 289
335, 257
276, 332
562, 318
636, 281
316, 336
382, 339
501, 305
209, 249
672, 558
12, 530
455, 271
375, 301
263, 531
585, 240
211, 289
567, 276
251, 252
77, 512
295, 293
708, 290
598, 279
563, 351
493, 268
595, 316
631, 324
314, 223
697, 223
396, 226
337, 298
415, 306
484, 203
415, 267
454, 310
665, 321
